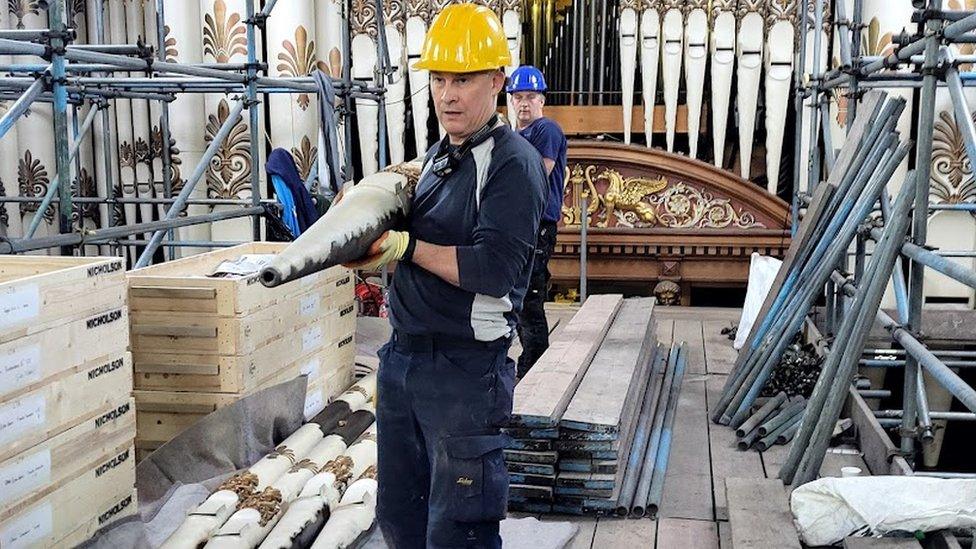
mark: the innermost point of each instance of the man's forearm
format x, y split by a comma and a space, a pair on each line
439, 260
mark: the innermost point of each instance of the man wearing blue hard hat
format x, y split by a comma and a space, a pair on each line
528, 89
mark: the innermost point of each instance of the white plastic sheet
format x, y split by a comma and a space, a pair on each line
762, 272
829, 509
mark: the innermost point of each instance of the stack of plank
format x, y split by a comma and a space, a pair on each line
67, 423
575, 412
201, 342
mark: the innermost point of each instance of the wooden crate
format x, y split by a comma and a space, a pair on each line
83, 503
321, 391
203, 371
29, 362
39, 470
183, 285
37, 293
161, 415
87, 392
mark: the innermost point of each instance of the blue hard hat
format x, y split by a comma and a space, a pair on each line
526, 78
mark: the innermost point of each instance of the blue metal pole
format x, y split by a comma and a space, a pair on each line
21, 105
664, 449
58, 44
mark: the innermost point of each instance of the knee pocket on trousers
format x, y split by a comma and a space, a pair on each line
478, 477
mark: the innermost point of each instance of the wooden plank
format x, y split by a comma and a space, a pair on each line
759, 514
687, 534
32, 361
544, 393
699, 313
834, 461
873, 440
606, 396
597, 119
881, 543
40, 470
724, 535
690, 331
89, 391
61, 513
719, 353
688, 482
587, 529
727, 460
37, 293
620, 532
665, 331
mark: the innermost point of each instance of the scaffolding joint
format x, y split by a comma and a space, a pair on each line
259, 20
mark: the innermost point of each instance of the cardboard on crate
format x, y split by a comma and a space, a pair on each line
87, 392
37, 293
43, 468
95, 498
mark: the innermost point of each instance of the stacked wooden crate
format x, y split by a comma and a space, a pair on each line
67, 421
201, 342
542, 397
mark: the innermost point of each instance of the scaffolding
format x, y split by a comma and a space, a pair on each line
925, 60
75, 74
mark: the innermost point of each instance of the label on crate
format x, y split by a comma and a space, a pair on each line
310, 305
21, 416
103, 319
313, 403
105, 268
25, 475
30, 528
312, 338
112, 415
112, 463
312, 369
19, 367
115, 510
18, 304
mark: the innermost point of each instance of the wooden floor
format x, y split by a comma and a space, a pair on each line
694, 512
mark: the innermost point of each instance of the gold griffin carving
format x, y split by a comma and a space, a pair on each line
627, 195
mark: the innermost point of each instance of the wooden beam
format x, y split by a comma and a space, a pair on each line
597, 119
544, 393
759, 514
881, 455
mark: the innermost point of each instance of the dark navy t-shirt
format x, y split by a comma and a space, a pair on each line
548, 138
489, 208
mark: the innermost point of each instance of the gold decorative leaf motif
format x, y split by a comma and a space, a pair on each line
393, 14
297, 60
172, 52
364, 17
952, 179
33, 181
22, 8
304, 156
224, 35
230, 169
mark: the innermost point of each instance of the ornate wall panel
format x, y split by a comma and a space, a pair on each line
657, 216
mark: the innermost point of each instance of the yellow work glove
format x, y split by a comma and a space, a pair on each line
390, 246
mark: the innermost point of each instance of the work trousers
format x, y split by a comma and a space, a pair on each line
441, 469
533, 329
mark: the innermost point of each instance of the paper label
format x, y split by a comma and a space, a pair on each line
18, 304
21, 416
312, 338
311, 369
25, 475
33, 527
19, 367
313, 403
310, 305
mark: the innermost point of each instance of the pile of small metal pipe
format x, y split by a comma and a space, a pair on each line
775, 422
796, 373
839, 208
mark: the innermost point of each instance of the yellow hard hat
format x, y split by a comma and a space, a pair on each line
464, 38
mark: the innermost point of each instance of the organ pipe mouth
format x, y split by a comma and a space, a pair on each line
270, 277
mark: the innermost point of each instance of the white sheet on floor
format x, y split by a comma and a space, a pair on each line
830, 509
762, 272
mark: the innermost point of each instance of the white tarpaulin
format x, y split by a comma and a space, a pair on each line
762, 272
830, 509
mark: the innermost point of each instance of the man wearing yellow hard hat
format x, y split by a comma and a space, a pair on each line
445, 380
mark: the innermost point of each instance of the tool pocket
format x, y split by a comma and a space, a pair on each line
477, 476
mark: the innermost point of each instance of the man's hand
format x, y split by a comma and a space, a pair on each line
389, 247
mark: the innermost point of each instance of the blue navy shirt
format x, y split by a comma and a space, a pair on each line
489, 208
548, 138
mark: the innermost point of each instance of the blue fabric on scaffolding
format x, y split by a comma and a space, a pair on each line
288, 214
281, 167
328, 126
